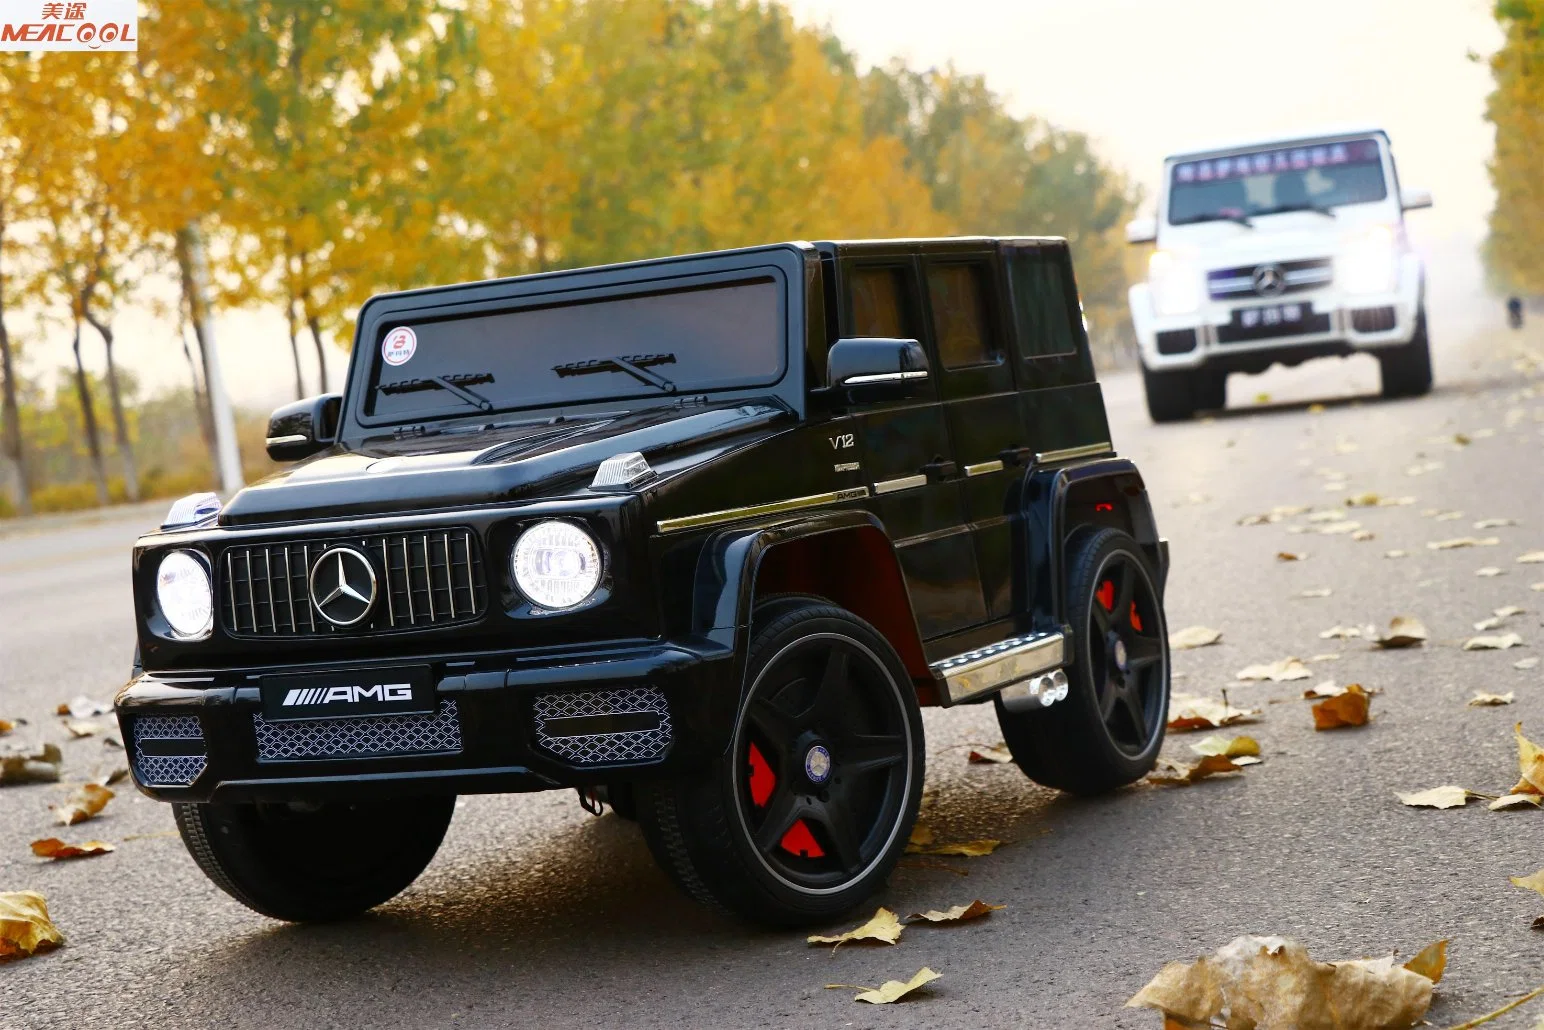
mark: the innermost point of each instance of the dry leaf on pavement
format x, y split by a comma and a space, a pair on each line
958, 914
82, 728
1396, 554
1495, 643
6, 726
1290, 556
1340, 633
1345, 709
84, 707
1507, 611
1325, 689
958, 849
1328, 515
1337, 528
1494, 523
983, 755
1526, 663
1430, 961
24, 924
1175, 774
1530, 764
40, 766
1277, 672
1228, 747
1192, 712
1193, 636
85, 803
1488, 572
1482, 700
1532, 882
54, 848
1510, 801
1403, 631
1316, 592
1363, 535
884, 927
1449, 796
1531, 558
1272, 982
891, 990
1462, 541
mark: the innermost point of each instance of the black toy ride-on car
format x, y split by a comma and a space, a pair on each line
697, 536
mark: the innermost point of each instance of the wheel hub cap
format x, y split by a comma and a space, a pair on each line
1118, 653
817, 764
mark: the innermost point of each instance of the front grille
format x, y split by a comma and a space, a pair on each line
1297, 276
1177, 341
376, 736
154, 737
426, 579
603, 727
1372, 320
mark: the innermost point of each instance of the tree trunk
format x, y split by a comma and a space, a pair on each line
294, 335
10, 411
190, 301
88, 415
120, 421
321, 348
196, 378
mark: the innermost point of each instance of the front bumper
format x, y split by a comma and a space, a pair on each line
1352, 326
489, 741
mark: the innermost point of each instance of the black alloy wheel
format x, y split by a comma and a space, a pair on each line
811, 806
1108, 730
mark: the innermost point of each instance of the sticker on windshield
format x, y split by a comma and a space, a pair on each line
399, 345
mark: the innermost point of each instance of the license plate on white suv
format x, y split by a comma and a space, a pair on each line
1271, 315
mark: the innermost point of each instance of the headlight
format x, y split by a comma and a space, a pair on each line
182, 589
556, 564
1175, 283
1369, 262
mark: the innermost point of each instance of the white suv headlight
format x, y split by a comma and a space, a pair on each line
183, 591
1369, 261
1176, 284
556, 564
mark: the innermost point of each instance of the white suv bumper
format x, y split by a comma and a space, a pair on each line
1233, 332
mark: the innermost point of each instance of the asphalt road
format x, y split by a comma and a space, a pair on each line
536, 914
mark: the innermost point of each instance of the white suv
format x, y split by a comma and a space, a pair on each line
1276, 252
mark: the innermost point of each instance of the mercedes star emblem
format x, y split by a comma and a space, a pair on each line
343, 586
1269, 280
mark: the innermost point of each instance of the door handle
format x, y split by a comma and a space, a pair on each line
1016, 455
937, 471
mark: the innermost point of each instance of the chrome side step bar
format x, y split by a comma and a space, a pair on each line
1007, 663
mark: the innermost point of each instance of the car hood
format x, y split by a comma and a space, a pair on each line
390, 476
1292, 236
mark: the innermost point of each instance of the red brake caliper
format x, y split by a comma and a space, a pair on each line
1106, 594
798, 840
763, 779
1136, 620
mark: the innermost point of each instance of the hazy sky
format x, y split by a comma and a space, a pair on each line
1143, 77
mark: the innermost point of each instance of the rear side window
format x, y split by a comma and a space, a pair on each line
961, 325
877, 297
1044, 304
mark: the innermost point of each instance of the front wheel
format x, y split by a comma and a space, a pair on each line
806, 814
1407, 369
1108, 730
311, 863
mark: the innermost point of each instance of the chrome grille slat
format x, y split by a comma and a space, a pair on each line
301, 740
263, 601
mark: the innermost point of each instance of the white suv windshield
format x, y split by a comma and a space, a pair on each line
1303, 177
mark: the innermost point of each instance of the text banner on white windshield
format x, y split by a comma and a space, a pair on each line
1286, 159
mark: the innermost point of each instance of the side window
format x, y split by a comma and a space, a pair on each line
961, 320
1043, 304
876, 296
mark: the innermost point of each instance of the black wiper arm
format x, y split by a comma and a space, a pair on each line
1315, 208
456, 384
635, 365
1219, 217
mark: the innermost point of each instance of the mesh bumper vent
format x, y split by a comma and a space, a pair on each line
633, 725
160, 734
366, 737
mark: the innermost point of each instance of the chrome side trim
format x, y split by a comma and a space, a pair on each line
991, 668
890, 486
275, 441
713, 518
1071, 453
884, 377
984, 467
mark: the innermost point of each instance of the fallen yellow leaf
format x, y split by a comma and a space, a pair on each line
1488, 571
1192, 712
6, 726
1430, 961
1533, 882
1482, 699
960, 849
1228, 747
1510, 801
1290, 556
1448, 796
85, 803
24, 924
1173, 774
996, 755
1462, 541
82, 728
1530, 764
1193, 636
1531, 558
1495, 643
1403, 631
40, 766
891, 990
1317, 592
1526, 663
54, 848
884, 927
1345, 709
958, 914
1277, 671
1339, 632
1272, 982
1325, 689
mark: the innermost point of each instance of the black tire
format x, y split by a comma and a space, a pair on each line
761, 835
1109, 729
1209, 389
1169, 395
314, 863
1407, 369
622, 799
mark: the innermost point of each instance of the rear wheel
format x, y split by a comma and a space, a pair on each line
1109, 729
309, 863
809, 810
1407, 369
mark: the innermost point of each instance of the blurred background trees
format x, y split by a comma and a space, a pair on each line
326, 150
1514, 250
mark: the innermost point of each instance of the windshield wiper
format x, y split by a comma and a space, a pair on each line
1315, 208
635, 365
456, 384
1219, 217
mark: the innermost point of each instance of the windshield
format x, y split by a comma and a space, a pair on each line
688, 339
1306, 177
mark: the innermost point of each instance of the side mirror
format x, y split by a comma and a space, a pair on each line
874, 369
1414, 198
300, 429
1142, 230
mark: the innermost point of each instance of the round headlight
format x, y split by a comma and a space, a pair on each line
183, 591
556, 564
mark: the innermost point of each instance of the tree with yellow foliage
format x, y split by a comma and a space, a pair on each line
1514, 251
